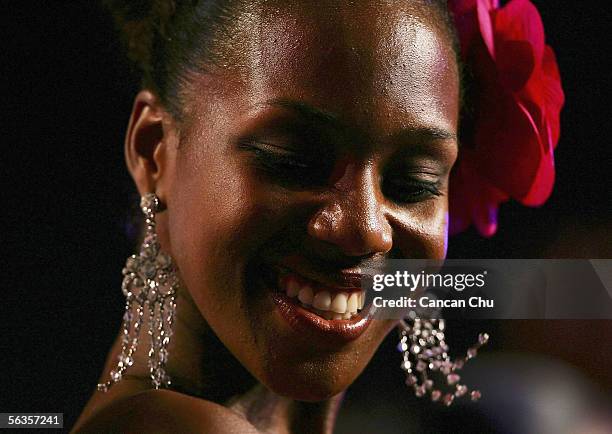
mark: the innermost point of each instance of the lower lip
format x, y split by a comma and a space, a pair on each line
312, 325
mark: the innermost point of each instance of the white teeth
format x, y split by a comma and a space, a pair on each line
293, 288
338, 304
322, 300
305, 295
352, 303
326, 305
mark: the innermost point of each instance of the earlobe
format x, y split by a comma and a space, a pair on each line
145, 142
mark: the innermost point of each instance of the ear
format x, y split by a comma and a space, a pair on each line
148, 142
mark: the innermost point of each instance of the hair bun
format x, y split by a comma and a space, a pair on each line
139, 22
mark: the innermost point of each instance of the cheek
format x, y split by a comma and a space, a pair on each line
210, 220
422, 232
211, 204
215, 225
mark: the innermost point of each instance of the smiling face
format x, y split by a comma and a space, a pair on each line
323, 146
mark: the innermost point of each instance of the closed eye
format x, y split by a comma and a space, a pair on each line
286, 167
410, 189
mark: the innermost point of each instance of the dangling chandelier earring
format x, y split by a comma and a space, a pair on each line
150, 285
425, 351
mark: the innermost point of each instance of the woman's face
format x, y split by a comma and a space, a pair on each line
324, 145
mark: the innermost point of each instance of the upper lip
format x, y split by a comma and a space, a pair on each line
338, 279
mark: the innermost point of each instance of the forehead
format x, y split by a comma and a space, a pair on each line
359, 58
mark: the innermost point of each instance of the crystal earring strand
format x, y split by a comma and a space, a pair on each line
150, 285
425, 351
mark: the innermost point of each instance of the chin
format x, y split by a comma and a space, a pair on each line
308, 390
310, 381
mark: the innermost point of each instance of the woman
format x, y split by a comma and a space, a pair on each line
289, 145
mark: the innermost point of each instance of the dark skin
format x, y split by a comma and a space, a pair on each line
328, 138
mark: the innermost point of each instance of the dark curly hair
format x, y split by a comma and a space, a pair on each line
165, 39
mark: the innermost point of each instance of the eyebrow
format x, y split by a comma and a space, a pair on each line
420, 134
425, 133
305, 110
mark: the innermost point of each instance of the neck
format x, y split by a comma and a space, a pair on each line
271, 413
200, 365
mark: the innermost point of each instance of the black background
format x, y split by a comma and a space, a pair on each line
66, 196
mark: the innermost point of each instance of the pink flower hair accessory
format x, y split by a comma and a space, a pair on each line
508, 153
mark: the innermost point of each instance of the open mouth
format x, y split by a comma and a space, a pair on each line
328, 303
333, 313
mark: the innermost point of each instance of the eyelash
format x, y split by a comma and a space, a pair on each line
289, 168
292, 171
421, 191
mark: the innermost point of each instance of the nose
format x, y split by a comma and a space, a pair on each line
353, 218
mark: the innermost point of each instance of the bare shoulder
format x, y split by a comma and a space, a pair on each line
165, 411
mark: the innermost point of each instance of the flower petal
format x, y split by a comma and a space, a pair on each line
544, 179
544, 90
519, 20
483, 8
472, 198
508, 148
517, 108
515, 63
